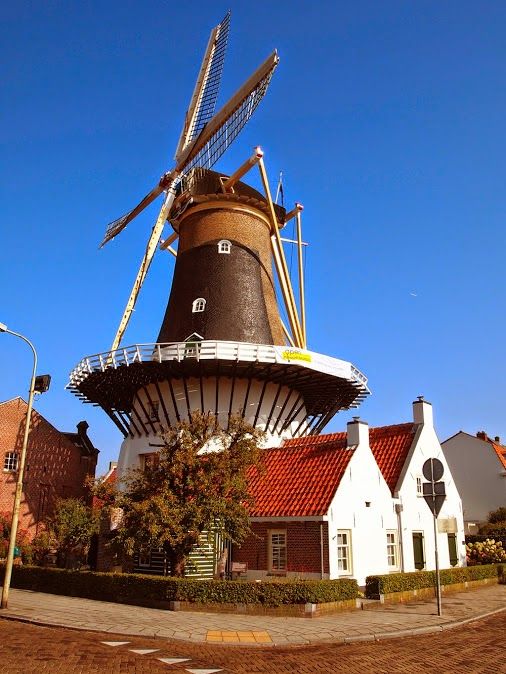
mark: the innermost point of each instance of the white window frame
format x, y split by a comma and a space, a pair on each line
278, 551
224, 246
419, 486
198, 305
392, 549
344, 561
11, 462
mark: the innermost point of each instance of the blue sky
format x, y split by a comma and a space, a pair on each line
387, 120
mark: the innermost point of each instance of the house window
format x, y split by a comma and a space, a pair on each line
11, 461
224, 246
419, 488
392, 550
153, 407
145, 558
277, 551
149, 461
198, 305
344, 551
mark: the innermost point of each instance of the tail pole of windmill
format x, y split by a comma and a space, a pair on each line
223, 347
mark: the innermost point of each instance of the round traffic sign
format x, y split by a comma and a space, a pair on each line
433, 470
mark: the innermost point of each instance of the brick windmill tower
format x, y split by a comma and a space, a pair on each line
223, 347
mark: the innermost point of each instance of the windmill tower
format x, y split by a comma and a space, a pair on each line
223, 347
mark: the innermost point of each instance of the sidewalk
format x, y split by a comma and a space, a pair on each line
381, 623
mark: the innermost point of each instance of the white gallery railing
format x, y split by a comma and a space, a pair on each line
215, 350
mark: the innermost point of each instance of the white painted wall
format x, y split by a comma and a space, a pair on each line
416, 515
362, 483
478, 473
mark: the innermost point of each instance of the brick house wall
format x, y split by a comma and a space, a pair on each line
303, 549
55, 465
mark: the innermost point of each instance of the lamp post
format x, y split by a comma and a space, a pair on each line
21, 467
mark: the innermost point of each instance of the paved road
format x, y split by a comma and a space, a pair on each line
478, 647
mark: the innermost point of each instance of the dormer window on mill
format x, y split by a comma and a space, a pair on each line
198, 305
224, 246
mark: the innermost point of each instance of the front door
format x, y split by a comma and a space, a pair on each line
418, 551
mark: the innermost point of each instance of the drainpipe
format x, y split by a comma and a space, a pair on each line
321, 551
398, 511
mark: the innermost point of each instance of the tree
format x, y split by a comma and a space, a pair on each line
199, 483
70, 528
498, 515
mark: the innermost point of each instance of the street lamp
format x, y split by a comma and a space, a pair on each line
35, 385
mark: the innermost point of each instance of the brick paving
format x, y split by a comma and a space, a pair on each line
476, 647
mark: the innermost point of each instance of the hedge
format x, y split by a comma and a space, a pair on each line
144, 590
416, 580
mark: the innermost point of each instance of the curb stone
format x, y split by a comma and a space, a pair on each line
276, 643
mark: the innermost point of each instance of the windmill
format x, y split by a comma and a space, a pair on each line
204, 138
223, 347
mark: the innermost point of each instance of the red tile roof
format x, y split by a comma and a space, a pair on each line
390, 446
301, 477
500, 450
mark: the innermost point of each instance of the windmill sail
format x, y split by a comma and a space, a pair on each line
212, 141
115, 227
203, 101
224, 127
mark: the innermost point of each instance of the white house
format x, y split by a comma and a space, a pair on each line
478, 465
349, 504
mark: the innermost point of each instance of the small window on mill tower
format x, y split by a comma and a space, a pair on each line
198, 305
224, 246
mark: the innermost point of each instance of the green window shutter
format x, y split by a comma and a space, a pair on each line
418, 550
452, 547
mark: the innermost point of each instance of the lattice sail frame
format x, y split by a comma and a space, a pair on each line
214, 139
204, 97
228, 132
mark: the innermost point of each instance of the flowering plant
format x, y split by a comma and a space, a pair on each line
486, 552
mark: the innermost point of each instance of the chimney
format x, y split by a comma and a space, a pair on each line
357, 432
482, 435
422, 412
82, 427
112, 464
497, 439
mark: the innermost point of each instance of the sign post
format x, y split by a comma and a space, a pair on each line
434, 494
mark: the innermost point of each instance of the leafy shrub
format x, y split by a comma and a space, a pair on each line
417, 580
156, 590
497, 516
486, 552
493, 530
22, 539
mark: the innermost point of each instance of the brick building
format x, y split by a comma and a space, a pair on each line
57, 463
